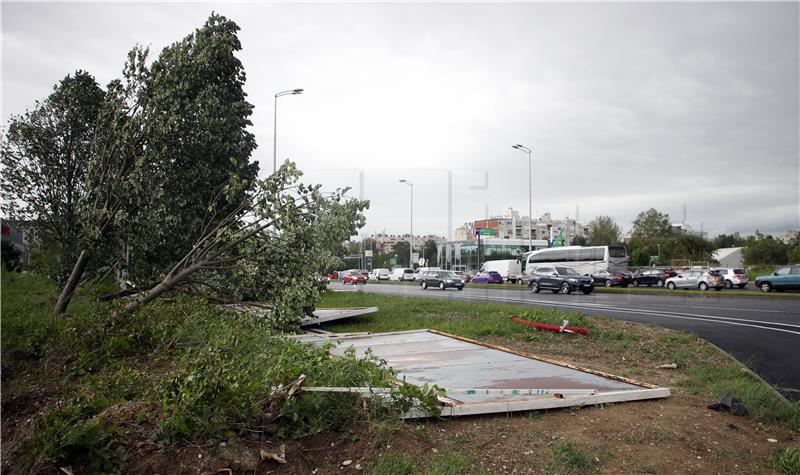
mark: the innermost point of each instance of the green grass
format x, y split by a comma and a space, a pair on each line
470, 320
394, 464
569, 458
704, 370
786, 460
451, 463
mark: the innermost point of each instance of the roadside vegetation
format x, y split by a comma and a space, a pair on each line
89, 390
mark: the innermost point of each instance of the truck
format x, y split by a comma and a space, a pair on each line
509, 269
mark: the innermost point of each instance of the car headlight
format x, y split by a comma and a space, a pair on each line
591, 281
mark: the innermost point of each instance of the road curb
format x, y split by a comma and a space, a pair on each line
749, 371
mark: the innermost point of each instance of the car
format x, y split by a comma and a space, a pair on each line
402, 273
491, 277
688, 279
333, 275
419, 270
785, 278
440, 279
733, 276
462, 275
354, 277
611, 277
652, 277
711, 280
559, 279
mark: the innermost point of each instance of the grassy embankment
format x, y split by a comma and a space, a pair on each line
102, 390
97, 390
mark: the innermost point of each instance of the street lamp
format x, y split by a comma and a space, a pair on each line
525, 149
411, 239
291, 92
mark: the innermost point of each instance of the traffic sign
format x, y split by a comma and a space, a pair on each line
485, 232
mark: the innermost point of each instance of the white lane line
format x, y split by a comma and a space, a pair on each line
607, 307
740, 309
683, 316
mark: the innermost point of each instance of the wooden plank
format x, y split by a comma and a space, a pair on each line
543, 403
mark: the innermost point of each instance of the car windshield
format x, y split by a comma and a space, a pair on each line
447, 275
566, 271
493, 272
739, 271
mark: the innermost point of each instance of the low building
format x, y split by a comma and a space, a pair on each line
728, 256
466, 254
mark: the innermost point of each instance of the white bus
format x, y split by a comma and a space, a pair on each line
584, 260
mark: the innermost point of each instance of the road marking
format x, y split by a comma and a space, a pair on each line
683, 316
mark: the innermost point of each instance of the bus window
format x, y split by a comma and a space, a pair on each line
616, 251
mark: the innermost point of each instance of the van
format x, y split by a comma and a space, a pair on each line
380, 274
402, 273
509, 269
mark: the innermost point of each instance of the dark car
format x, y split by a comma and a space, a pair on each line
611, 277
560, 280
785, 278
652, 277
440, 279
491, 277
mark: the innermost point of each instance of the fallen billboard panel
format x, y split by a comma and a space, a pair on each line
481, 378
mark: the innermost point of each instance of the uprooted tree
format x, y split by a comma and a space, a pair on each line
169, 154
273, 247
168, 196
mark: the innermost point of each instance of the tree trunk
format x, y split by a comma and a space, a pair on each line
72, 283
163, 287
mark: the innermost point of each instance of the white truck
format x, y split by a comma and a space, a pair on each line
510, 269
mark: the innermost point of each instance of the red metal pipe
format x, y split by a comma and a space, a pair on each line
552, 328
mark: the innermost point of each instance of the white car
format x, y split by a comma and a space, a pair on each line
733, 276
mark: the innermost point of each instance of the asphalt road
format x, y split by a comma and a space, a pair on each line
763, 333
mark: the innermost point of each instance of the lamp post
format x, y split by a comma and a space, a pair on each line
525, 149
411, 236
291, 92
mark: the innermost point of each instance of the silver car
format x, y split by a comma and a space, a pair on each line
689, 279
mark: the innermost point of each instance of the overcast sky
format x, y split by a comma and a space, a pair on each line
626, 106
